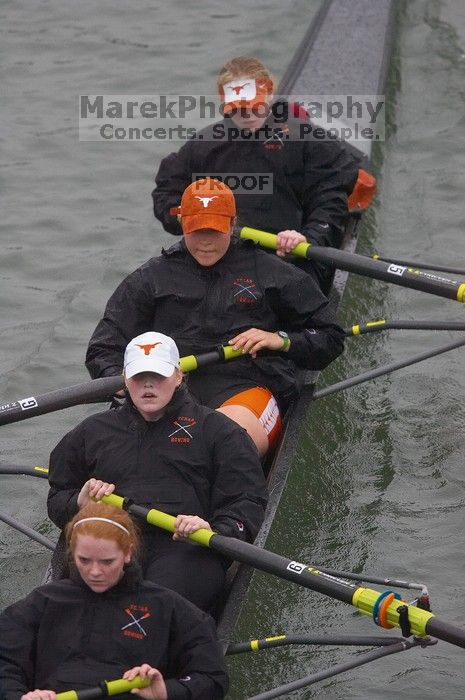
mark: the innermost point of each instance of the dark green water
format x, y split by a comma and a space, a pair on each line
378, 480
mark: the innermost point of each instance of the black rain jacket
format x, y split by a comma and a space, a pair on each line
203, 307
63, 636
194, 461
311, 177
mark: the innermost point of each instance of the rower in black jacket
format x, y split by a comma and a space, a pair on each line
211, 289
164, 450
105, 622
298, 185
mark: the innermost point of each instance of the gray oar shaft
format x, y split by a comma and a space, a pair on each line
334, 670
32, 534
385, 369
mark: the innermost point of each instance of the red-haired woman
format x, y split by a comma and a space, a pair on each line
105, 622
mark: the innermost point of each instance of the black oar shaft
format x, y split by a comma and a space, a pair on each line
394, 274
246, 553
19, 470
422, 265
86, 694
361, 265
97, 389
365, 599
382, 325
446, 632
287, 569
309, 640
89, 392
367, 578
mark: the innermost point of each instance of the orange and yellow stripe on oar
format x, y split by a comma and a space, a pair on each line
365, 599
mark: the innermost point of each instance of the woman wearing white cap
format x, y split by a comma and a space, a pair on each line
212, 289
105, 622
164, 450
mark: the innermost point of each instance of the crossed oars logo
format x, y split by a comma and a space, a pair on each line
136, 621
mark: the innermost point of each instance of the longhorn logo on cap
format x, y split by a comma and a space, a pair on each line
147, 348
238, 88
206, 200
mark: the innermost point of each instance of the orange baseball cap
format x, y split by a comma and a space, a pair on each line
246, 93
206, 203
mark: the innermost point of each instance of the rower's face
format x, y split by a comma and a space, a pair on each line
100, 562
252, 119
151, 392
207, 246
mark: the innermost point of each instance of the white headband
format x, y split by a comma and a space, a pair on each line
102, 520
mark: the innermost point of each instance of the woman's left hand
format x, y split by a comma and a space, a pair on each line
185, 525
39, 695
255, 339
157, 688
287, 241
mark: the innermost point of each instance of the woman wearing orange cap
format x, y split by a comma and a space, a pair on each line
309, 179
105, 622
213, 289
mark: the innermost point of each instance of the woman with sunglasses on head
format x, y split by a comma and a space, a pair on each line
309, 175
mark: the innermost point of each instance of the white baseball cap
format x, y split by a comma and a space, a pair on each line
151, 352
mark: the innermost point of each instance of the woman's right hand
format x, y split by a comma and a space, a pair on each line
157, 688
94, 489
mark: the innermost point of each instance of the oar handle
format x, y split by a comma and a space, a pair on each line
270, 240
362, 265
106, 688
189, 363
156, 518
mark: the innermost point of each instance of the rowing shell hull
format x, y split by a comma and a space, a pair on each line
328, 61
